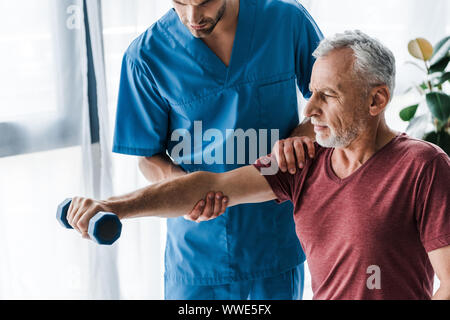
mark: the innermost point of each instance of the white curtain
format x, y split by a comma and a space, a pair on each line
141, 247
58, 74
38, 258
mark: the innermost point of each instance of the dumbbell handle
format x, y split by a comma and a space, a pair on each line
104, 227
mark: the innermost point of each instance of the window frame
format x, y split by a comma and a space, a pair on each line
62, 128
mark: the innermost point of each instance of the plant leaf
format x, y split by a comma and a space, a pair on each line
441, 50
408, 113
420, 48
439, 105
423, 86
440, 66
444, 78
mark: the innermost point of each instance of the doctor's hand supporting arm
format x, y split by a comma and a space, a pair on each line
173, 198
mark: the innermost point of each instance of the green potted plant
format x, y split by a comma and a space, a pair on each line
434, 124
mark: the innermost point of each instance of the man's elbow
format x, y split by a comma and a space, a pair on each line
443, 292
148, 169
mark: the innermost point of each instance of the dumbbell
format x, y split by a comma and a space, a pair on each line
104, 228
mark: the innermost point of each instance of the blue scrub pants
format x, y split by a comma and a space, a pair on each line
286, 286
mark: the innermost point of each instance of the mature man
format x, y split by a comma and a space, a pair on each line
220, 65
371, 209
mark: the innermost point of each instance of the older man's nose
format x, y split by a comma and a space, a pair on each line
311, 109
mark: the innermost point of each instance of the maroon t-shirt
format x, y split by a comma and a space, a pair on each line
367, 236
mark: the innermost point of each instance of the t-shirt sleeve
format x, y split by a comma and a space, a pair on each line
307, 39
142, 114
433, 200
281, 183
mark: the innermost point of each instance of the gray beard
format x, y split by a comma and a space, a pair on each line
342, 140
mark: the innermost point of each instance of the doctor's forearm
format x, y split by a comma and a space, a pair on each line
305, 129
159, 167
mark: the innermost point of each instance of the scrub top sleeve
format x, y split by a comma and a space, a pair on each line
282, 184
307, 39
142, 114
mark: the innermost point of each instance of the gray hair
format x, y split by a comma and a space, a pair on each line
375, 63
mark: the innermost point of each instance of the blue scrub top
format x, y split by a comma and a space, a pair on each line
171, 79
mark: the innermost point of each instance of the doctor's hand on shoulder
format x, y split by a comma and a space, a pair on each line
289, 153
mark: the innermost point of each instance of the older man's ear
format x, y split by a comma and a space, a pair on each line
379, 99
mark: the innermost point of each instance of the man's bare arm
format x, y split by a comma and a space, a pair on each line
440, 260
176, 197
289, 154
161, 167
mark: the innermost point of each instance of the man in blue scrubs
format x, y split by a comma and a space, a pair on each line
221, 65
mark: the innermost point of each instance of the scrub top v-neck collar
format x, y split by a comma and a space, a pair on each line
205, 57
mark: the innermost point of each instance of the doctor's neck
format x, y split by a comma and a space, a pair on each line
229, 21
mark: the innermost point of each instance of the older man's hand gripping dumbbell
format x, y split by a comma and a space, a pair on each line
101, 226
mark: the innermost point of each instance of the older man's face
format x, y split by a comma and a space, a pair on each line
338, 108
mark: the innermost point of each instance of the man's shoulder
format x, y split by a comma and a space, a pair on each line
288, 17
153, 40
282, 5
275, 8
416, 150
405, 150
